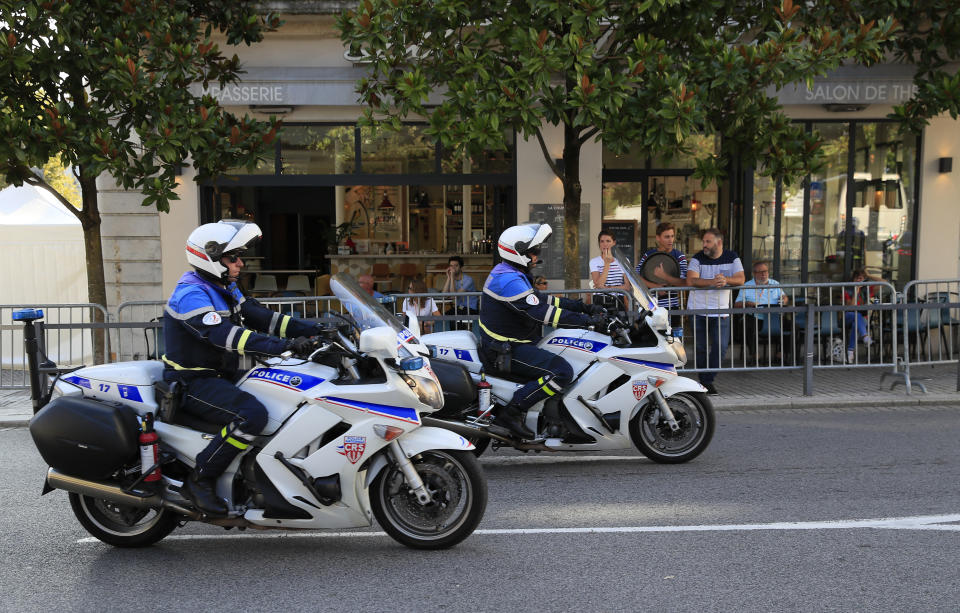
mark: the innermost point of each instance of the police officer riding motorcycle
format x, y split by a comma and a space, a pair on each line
512, 314
209, 324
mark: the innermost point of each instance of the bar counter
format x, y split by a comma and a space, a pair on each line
430, 266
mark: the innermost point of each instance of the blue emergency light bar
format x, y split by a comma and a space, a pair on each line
27, 314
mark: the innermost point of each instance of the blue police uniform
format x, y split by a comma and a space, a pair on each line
207, 327
512, 311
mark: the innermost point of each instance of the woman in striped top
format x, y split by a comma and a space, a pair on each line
605, 272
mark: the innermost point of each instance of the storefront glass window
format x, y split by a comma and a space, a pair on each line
884, 178
317, 149
791, 233
491, 161
764, 219
701, 146
631, 158
406, 151
828, 192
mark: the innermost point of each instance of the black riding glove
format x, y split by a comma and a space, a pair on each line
595, 309
302, 345
598, 322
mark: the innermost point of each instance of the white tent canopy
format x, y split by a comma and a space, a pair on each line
42, 261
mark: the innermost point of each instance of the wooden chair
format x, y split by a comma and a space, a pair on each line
407, 272
381, 273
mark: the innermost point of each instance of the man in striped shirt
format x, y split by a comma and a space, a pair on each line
666, 235
713, 270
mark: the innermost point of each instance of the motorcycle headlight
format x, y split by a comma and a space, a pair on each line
678, 348
427, 390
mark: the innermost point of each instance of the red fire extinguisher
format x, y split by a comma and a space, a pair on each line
149, 454
483, 395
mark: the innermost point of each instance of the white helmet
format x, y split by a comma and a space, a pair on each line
211, 241
517, 241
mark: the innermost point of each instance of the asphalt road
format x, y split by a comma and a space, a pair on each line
711, 535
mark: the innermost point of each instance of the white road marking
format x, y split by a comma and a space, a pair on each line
920, 522
550, 457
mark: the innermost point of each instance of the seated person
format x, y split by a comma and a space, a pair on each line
457, 281
366, 282
856, 321
421, 306
760, 291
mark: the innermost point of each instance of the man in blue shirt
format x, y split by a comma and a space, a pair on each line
366, 282
457, 281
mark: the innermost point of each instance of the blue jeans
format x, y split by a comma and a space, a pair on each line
713, 339
855, 320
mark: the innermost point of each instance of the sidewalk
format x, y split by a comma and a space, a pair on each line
840, 387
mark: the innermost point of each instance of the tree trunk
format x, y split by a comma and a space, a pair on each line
96, 285
571, 207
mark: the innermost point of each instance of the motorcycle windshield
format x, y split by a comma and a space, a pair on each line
637, 287
368, 313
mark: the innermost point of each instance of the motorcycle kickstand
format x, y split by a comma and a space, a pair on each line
665, 409
410, 473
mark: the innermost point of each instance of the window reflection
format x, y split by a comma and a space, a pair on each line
317, 149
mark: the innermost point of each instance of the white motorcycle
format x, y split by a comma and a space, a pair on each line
625, 389
344, 444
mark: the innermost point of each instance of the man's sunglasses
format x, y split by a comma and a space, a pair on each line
535, 251
232, 257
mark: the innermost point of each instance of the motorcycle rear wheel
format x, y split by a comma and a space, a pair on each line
120, 525
652, 435
458, 489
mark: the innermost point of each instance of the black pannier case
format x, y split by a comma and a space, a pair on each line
86, 438
459, 390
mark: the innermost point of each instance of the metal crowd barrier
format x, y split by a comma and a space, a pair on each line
815, 329
70, 334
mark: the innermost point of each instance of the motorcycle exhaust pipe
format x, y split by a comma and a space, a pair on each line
101, 490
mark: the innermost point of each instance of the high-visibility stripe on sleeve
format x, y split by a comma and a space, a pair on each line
549, 314
556, 317
283, 325
555, 300
243, 341
273, 323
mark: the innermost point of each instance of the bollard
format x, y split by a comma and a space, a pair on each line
808, 351
31, 346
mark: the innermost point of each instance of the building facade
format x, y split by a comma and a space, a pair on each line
884, 200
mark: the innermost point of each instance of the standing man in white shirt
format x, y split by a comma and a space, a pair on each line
713, 270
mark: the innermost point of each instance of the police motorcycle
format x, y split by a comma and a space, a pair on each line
345, 443
625, 391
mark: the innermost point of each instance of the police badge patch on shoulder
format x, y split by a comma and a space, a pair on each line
212, 318
532, 299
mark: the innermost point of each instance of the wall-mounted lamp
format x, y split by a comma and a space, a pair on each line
560, 165
272, 109
946, 164
178, 169
850, 107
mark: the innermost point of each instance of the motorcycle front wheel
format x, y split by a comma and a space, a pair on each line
651, 433
120, 525
458, 491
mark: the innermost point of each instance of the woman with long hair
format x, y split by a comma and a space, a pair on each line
420, 306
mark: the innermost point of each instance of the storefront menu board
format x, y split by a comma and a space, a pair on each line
552, 253
625, 233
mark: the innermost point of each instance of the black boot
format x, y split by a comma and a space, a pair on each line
202, 492
511, 418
